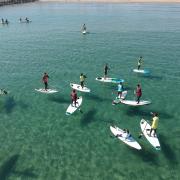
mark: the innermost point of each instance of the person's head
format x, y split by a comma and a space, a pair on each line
138, 85
45, 73
120, 83
155, 114
74, 90
81, 74
127, 130
140, 57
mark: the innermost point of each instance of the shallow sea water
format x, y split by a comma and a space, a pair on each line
38, 141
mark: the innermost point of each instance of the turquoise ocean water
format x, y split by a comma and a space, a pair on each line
37, 139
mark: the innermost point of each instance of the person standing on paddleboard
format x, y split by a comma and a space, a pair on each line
84, 27
138, 93
82, 79
139, 62
74, 97
120, 89
45, 80
106, 68
154, 125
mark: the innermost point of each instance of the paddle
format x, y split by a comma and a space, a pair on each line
80, 111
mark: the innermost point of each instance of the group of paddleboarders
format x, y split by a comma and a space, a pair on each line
138, 93
25, 20
120, 88
4, 21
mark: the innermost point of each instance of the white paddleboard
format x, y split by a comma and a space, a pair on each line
109, 80
72, 108
145, 127
84, 32
118, 99
134, 103
142, 71
48, 91
79, 88
120, 134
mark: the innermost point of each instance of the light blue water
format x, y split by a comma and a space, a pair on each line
38, 141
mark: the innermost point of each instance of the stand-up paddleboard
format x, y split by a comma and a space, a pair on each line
109, 80
84, 32
79, 88
145, 127
118, 99
142, 71
134, 103
123, 136
47, 91
25, 22
72, 108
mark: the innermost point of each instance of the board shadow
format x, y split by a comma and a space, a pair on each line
151, 77
138, 111
59, 99
147, 155
88, 117
8, 167
96, 97
167, 150
9, 104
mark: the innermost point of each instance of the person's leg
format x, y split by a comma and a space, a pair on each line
139, 67
138, 97
82, 84
75, 102
154, 132
150, 131
120, 94
46, 85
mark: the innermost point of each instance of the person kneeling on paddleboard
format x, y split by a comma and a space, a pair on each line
120, 89
45, 80
139, 62
138, 93
82, 79
154, 125
74, 97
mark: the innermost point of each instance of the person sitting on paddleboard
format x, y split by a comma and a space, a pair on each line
127, 133
74, 97
154, 124
82, 79
139, 62
106, 68
138, 93
120, 89
45, 80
